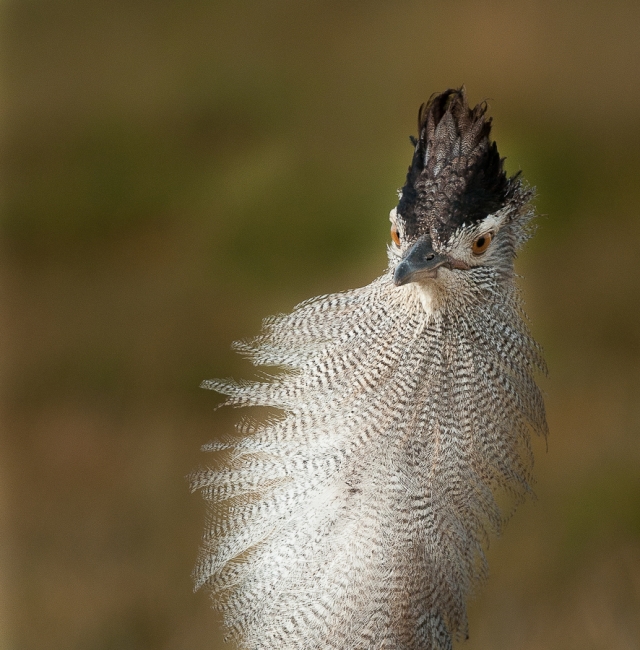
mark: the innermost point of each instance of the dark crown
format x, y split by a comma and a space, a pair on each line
456, 175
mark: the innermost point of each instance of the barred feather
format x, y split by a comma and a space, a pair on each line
358, 518
365, 508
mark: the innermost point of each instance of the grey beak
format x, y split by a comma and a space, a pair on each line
419, 261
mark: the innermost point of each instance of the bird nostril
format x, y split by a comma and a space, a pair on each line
430, 256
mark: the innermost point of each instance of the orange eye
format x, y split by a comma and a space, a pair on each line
395, 235
481, 244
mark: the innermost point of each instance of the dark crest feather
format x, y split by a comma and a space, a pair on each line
456, 175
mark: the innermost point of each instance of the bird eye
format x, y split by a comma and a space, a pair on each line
480, 244
395, 235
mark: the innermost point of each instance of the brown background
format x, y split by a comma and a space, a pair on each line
175, 171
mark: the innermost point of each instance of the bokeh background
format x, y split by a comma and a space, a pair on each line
175, 171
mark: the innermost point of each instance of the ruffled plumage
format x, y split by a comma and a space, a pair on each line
358, 518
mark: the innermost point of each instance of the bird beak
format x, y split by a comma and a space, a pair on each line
420, 261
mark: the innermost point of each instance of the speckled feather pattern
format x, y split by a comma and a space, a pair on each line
357, 519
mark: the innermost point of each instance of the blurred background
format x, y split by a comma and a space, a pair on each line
175, 171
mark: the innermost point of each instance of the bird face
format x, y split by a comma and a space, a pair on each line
487, 244
459, 216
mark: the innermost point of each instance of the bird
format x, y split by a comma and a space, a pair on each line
358, 514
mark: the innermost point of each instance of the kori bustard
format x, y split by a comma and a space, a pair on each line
357, 519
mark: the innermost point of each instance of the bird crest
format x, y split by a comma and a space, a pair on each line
456, 175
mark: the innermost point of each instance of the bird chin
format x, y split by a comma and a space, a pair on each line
426, 275
426, 293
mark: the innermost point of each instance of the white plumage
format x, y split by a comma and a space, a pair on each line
357, 519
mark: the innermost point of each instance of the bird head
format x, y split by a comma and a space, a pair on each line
459, 219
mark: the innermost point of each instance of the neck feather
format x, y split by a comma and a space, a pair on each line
357, 518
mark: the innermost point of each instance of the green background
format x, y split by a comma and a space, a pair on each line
172, 172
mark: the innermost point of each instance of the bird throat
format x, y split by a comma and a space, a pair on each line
427, 294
